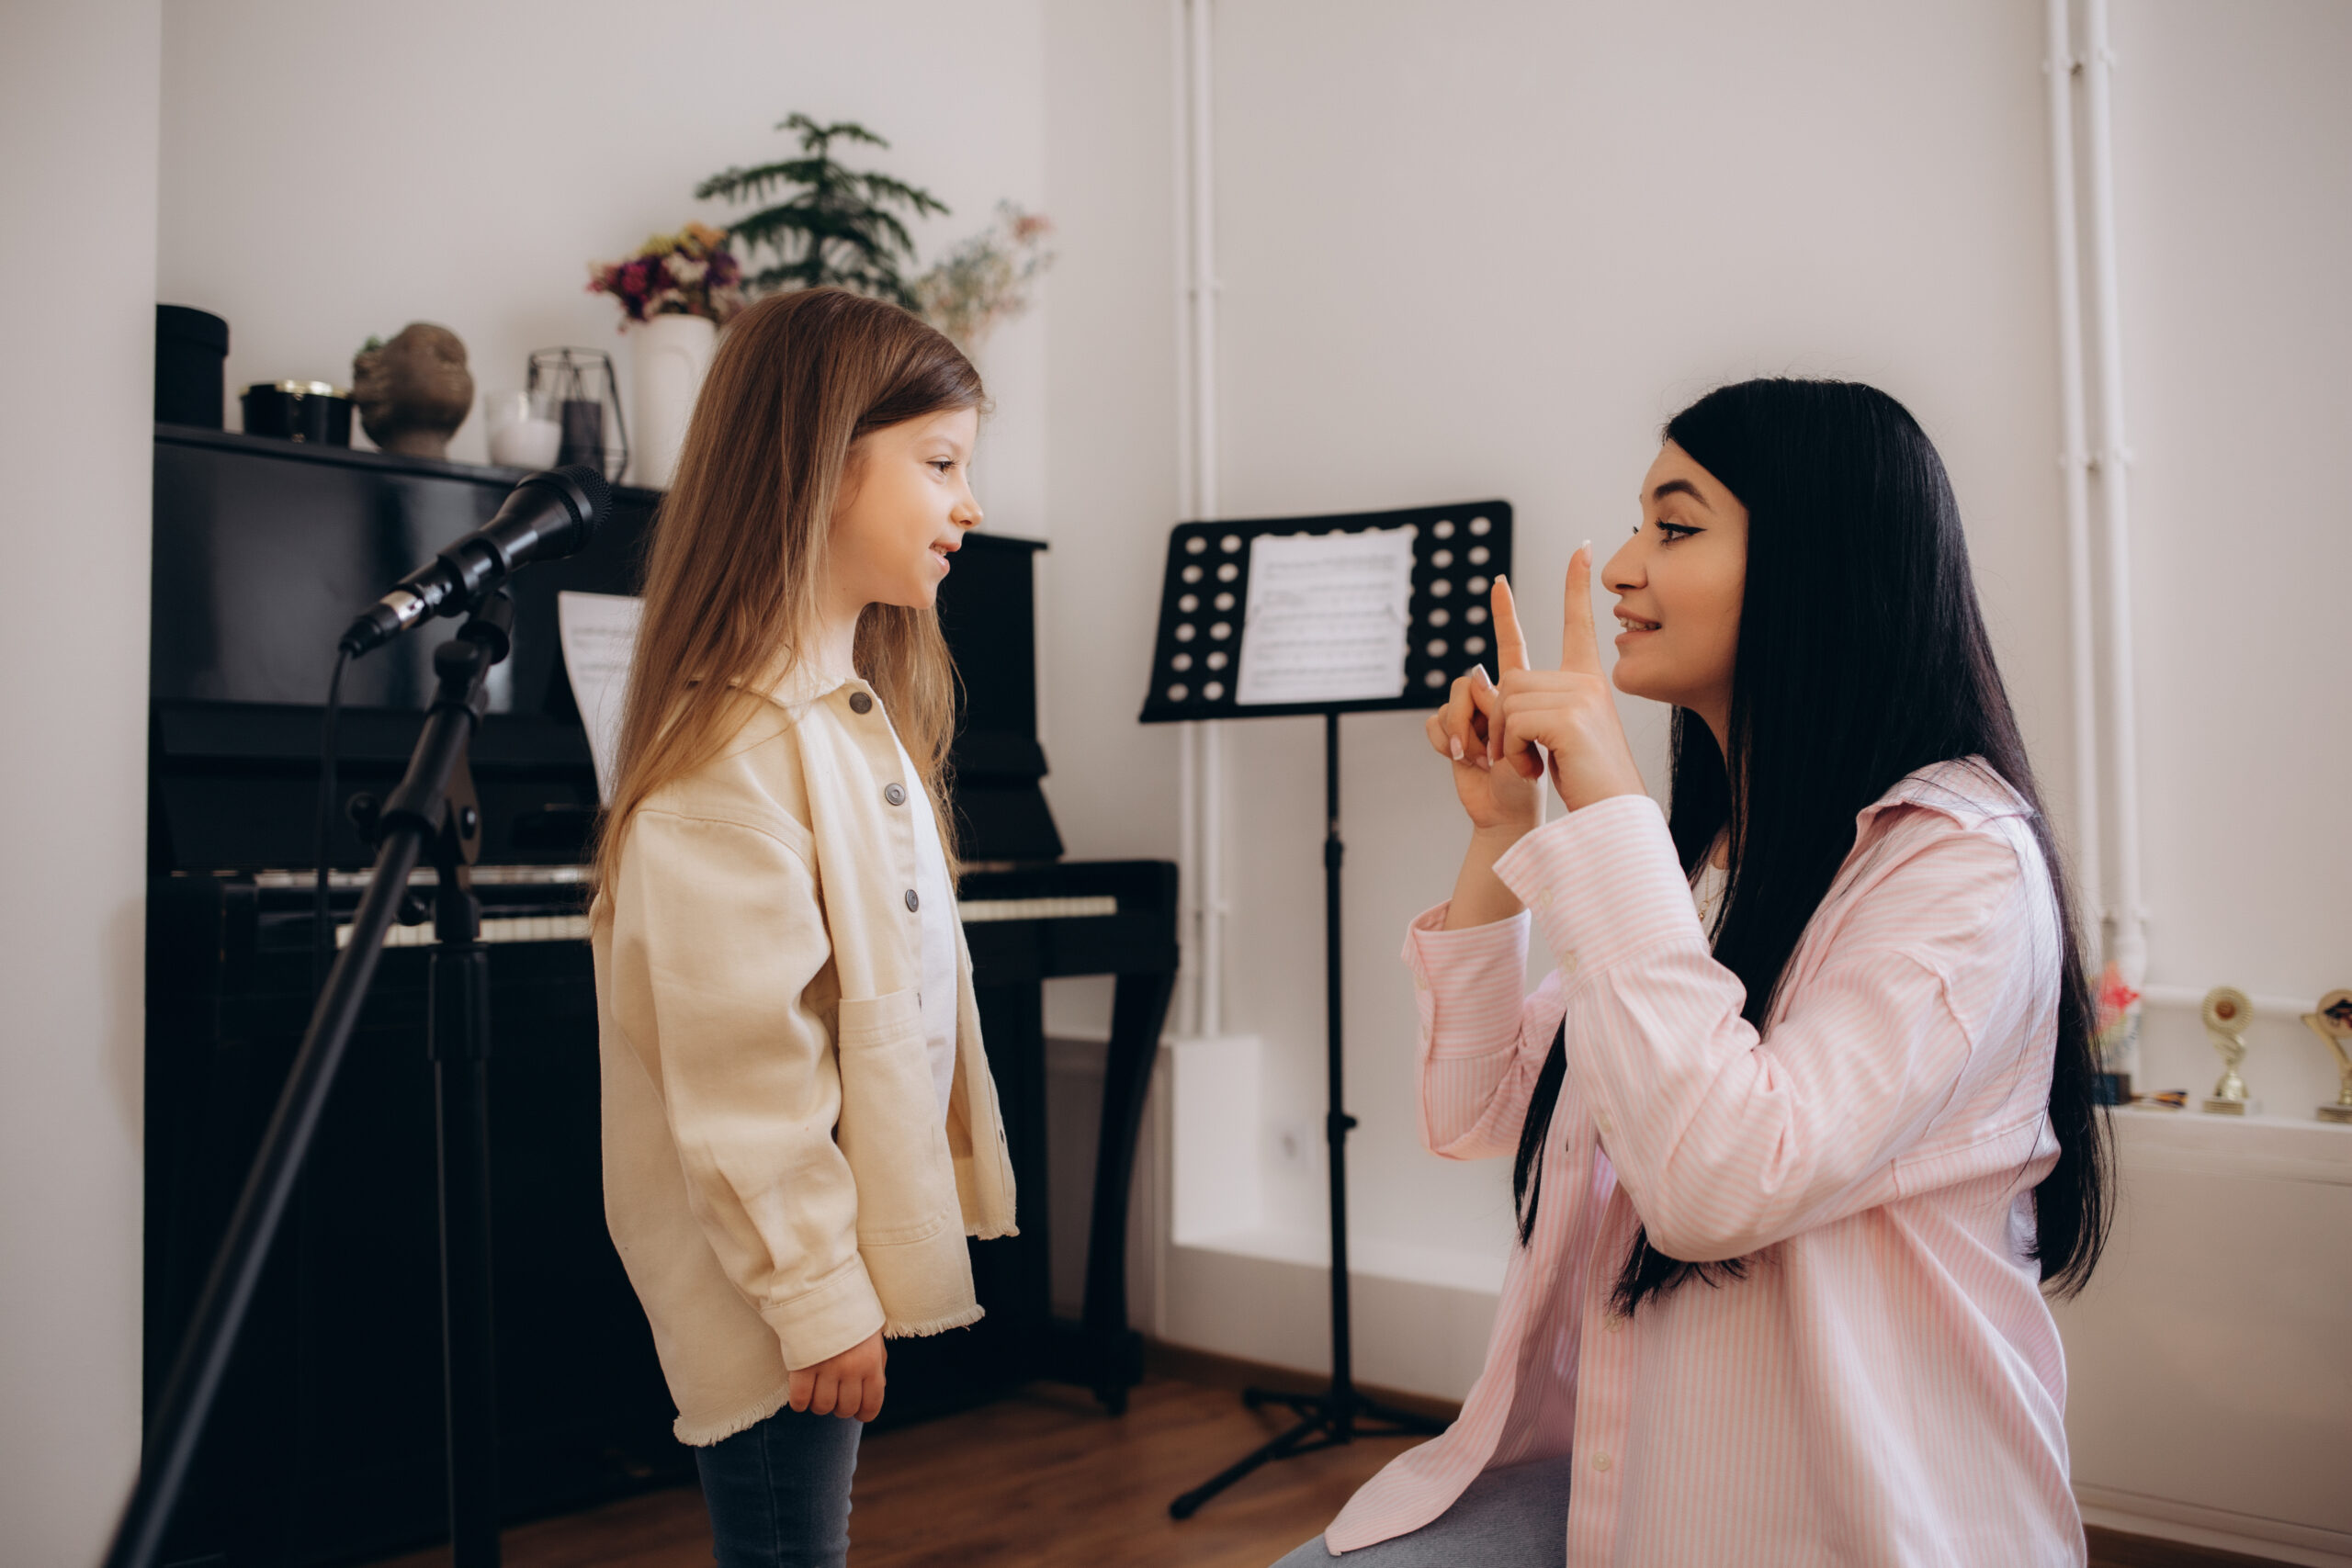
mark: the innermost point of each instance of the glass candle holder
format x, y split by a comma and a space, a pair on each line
577, 387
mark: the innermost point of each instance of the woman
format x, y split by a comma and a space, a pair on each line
1803, 1116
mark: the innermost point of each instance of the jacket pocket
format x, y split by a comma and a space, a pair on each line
890, 1134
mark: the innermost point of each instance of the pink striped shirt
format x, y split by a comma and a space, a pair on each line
1885, 1386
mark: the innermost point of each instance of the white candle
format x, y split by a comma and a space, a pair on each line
525, 443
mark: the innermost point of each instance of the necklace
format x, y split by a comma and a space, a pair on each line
1707, 892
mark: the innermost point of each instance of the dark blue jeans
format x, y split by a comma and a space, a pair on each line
778, 1492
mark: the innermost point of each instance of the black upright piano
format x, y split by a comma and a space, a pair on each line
326, 1445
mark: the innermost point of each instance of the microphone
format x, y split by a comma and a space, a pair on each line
548, 515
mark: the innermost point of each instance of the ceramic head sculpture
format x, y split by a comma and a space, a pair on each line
415, 391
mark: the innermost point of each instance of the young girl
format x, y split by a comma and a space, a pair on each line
1803, 1115
799, 1124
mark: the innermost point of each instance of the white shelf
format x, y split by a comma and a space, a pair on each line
2281, 1148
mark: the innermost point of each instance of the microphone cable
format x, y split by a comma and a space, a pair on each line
322, 913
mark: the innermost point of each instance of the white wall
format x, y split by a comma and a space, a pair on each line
1485, 251
330, 172
2205, 1360
1111, 403
2234, 135
77, 212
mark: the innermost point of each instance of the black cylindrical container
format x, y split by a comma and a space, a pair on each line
191, 360
583, 433
299, 411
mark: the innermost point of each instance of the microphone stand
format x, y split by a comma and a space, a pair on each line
434, 806
457, 1040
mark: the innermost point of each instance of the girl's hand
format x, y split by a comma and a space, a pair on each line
1569, 712
849, 1384
1497, 800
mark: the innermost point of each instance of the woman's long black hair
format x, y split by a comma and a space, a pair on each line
1861, 657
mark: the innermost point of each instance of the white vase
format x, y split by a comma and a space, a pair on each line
672, 355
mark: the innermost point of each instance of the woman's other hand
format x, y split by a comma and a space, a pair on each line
1497, 800
1570, 711
849, 1384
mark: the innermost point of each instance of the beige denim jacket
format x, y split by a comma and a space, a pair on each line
778, 1179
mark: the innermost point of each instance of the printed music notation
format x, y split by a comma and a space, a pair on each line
598, 632
1328, 617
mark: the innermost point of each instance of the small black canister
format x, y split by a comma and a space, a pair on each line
299, 411
191, 361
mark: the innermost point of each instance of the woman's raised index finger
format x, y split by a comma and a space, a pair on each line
1579, 643
1510, 644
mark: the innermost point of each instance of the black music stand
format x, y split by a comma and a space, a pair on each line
1203, 608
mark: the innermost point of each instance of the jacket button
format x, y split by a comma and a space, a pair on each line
859, 701
894, 795
913, 902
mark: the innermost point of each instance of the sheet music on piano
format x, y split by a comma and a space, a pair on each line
1327, 617
599, 636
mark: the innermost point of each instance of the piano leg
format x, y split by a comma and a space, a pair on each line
1114, 1350
1015, 1277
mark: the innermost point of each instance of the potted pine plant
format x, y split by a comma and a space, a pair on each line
836, 226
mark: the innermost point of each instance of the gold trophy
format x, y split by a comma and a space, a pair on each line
2227, 1013
2332, 1023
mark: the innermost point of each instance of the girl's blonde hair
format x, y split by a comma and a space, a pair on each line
738, 552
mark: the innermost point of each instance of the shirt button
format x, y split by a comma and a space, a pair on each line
894, 795
859, 701
913, 902
1601, 1461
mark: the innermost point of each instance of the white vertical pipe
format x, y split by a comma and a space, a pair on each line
2074, 460
1188, 735
2130, 950
1179, 190
1204, 284
1199, 41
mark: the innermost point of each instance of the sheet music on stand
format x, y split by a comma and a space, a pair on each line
1328, 617
598, 632
1346, 613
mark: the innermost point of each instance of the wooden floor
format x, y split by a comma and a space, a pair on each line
1042, 1480
1045, 1480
